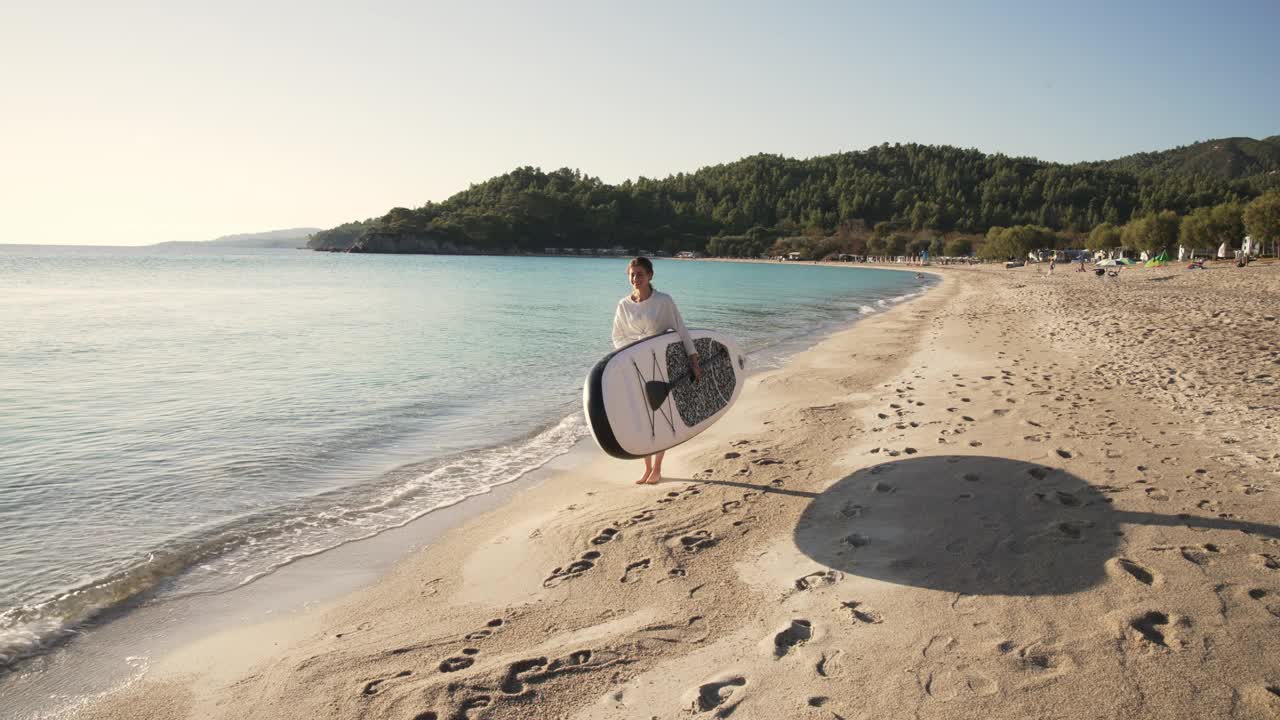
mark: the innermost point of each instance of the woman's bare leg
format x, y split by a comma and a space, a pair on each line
648, 469
655, 474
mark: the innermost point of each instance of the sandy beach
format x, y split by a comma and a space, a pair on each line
1019, 495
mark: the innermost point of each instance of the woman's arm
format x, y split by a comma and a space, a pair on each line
677, 322
619, 328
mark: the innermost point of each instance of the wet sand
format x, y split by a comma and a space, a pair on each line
1019, 495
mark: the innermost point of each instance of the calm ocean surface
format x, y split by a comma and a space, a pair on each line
183, 421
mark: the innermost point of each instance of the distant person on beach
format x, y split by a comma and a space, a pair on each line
644, 313
1053, 263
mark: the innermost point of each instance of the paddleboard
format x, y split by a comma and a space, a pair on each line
641, 399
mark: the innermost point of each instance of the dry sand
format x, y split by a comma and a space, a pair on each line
1018, 496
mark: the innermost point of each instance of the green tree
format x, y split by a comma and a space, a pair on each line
1154, 233
1133, 235
1262, 219
958, 246
1196, 231
1164, 232
1103, 237
896, 244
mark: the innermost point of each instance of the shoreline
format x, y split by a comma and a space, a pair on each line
584, 460
288, 595
162, 629
972, 505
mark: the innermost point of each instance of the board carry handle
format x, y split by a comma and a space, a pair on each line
656, 391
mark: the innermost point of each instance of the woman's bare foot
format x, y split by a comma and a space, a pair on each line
652, 478
645, 480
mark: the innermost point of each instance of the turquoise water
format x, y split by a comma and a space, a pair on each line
183, 421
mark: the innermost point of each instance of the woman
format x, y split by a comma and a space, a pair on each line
644, 313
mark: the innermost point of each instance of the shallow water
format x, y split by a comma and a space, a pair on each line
183, 421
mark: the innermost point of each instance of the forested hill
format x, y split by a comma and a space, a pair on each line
1225, 159
902, 187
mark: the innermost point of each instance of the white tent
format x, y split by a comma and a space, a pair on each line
1109, 263
1182, 253
1224, 251
1247, 248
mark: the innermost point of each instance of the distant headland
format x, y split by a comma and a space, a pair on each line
287, 238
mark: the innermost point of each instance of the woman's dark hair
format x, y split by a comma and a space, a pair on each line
643, 262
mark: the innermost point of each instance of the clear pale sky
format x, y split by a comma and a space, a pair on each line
185, 121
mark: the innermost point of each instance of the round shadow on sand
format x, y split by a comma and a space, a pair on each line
966, 524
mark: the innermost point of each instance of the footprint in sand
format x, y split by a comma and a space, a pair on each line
1072, 529
518, 672
852, 510
829, 665
861, 613
605, 536
793, 636
486, 632
1199, 554
945, 678
473, 703
698, 541
632, 573
1262, 596
1157, 494
1042, 661
855, 541
1268, 562
1261, 699
459, 662
721, 695
523, 673
642, 516
1151, 626
572, 570
1122, 567
372, 687
819, 579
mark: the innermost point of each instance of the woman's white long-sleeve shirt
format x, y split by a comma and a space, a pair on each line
638, 320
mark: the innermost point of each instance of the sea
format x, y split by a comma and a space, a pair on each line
182, 421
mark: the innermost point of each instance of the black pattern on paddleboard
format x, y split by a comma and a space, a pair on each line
698, 401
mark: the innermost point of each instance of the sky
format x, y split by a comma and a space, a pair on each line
176, 120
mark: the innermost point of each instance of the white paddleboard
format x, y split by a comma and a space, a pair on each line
641, 399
